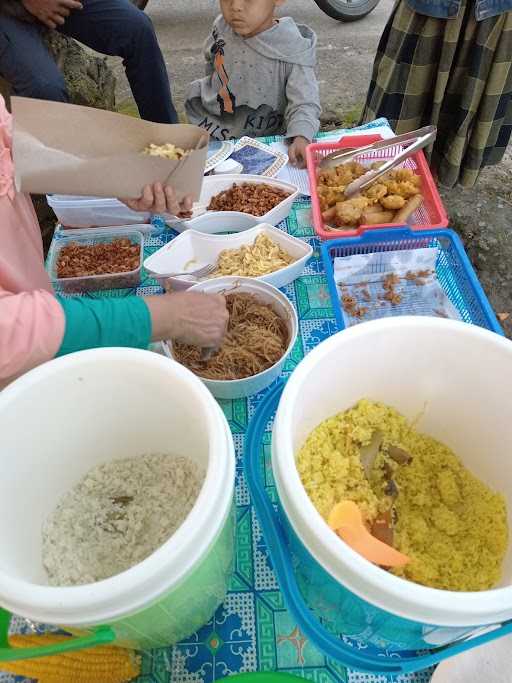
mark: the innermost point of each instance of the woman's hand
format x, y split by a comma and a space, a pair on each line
158, 199
190, 317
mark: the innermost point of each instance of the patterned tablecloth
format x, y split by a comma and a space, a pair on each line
253, 630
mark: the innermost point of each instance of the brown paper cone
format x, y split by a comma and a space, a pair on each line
72, 150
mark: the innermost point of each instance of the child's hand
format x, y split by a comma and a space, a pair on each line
297, 152
158, 199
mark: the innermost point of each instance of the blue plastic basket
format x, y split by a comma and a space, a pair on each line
276, 532
453, 268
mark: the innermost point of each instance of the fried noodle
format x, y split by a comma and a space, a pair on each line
256, 339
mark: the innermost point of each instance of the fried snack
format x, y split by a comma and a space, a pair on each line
393, 202
376, 192
406, 174
252, 260
330, 195
377, 218
329, 214
350, 211
373, 208
408, 189
375, 204
409, 208
353, 167
167, 151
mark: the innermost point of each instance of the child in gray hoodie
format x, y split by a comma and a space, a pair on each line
260, 78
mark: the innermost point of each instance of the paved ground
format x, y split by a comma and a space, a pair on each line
345, 51
482, 216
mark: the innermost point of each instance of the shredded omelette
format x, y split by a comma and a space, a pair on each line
452, 526
261, 257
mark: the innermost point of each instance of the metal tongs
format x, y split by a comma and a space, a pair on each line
418, 138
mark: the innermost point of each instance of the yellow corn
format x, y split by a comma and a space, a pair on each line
102, 664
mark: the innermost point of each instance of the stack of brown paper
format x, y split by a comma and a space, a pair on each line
67, 149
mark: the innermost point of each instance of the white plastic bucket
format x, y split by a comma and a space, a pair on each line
68, 415
239, 388
459, 378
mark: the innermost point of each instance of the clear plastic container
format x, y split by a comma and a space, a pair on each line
91, 212
91, 283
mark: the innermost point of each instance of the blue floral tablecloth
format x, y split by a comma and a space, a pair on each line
253, 630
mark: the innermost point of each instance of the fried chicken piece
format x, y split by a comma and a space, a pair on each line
350, 212
393, 202
375, 192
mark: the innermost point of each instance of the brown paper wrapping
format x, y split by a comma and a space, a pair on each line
72, 150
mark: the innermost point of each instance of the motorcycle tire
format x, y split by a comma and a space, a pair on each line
344, 10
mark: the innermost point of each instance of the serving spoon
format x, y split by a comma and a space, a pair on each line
347, 521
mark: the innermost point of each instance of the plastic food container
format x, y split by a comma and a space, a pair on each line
453, 269
430, 215
92, 407
192, 250
455, 379
239, 388
91, 283
91, 212
217, 221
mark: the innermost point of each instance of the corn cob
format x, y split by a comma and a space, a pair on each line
102, 664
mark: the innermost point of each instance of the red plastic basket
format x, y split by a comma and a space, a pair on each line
429, 216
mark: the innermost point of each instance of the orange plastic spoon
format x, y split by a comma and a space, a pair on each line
346, 520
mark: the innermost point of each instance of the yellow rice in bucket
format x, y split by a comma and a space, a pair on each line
451, 525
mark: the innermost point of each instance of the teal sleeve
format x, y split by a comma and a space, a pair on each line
94, 323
